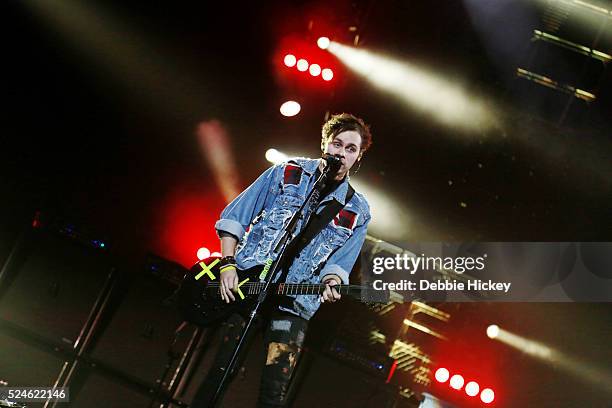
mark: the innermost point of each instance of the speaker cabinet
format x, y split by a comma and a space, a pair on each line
139, 338
23, 364
99, 391
328, 383
53, 288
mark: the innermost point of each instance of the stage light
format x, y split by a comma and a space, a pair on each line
493, 331
472, 388
327, 74
203, 253
456, 381
97, 243
290, 60
527, 346
290, 108
302, 65
487, 396
275, 157
323, 43
315, 69
588, 17
420, 88
561, 361
442, 375
217, 254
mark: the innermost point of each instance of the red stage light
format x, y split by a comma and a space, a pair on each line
302, 65
203, 253
442, 375
315, 70
472, 388
487, 396
327, 74
289, 60
391, 372
456, 381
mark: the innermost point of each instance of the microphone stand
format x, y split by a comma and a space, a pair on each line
280, 249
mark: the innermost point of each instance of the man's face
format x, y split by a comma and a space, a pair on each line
347, 146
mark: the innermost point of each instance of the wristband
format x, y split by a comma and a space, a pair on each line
225, 268
227, 260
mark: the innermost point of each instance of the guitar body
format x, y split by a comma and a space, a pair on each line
200, 299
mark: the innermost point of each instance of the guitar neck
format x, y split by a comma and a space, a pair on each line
254, 288
312, 288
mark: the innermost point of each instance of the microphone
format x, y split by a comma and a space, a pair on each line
333, 162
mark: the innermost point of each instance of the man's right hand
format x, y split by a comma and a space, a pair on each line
229, 281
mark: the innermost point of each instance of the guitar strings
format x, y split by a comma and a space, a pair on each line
288, 288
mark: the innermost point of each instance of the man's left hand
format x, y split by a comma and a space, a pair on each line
330, 294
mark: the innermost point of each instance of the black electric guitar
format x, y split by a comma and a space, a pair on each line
200, 302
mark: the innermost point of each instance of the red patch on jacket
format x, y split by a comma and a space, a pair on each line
293, 174
346, 219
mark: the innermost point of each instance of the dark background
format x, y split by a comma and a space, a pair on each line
102, 101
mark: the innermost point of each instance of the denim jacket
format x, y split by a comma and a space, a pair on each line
257, 215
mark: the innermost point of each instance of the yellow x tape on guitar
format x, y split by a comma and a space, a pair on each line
206, 270
238, 288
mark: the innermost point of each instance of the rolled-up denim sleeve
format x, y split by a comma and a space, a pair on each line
341, 262
238, 214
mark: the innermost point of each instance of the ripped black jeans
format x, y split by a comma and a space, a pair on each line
283, 341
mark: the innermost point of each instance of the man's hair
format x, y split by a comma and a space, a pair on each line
343, 122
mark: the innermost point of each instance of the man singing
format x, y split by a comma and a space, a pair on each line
251, 225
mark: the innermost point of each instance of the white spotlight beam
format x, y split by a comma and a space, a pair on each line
388, 217
445, 101
568, 363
